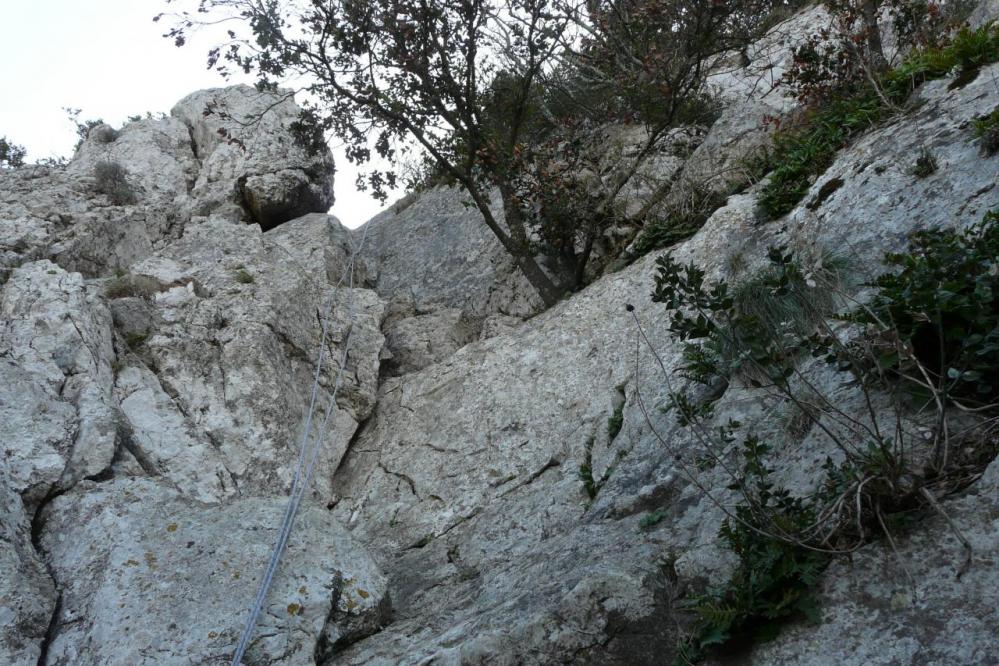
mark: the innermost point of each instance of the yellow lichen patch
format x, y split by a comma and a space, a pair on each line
301, 590
131, 563
236, 575
351, 604
172, 527
294, 609
150, 560
364, 593
213, 634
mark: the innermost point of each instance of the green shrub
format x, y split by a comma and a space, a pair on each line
756, 325
775, 580
111, 179
244, 277
801, 153
942, 302
930, 330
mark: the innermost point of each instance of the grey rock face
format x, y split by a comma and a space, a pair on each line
437, 252
877, 612
150, 577
27, 593
157, 154
56, 331
235, 320
254, 162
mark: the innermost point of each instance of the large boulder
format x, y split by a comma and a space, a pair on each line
249, 156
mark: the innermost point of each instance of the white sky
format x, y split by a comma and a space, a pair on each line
108, 58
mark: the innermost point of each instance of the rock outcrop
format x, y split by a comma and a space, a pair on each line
472, 503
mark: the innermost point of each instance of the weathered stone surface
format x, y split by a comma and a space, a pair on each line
27, 593
437, 252
233, 339
414, 342
36, 431
255, 163
157, 154
150, 577
912, 607
880, 200
51, 213
165, 442
58, 329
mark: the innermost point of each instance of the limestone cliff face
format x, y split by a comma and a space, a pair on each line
156, 360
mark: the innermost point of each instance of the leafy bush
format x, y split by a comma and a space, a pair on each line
943, 304
774, 580
111, 179
757, 327
11, 154
987, 131
801, 153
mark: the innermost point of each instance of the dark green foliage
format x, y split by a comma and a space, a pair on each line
134, 340
987, 131
775, 579
11, 154
942, 301
758, 327
590, 484
651, 519
244, 277
934, 316
112, 179
615, 422
806, 151
926, 165
678, 225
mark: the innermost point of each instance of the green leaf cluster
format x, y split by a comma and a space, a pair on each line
942, 301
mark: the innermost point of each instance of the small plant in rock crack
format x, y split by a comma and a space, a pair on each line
925, 166
651, 519
774, 580
591, 484
987, 131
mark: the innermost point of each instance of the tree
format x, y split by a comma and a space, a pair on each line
473, 85
383, 74
11, 154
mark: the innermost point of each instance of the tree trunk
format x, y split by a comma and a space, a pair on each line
872, 33
516, 243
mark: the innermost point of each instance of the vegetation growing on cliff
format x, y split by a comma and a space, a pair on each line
802, 152
494, 95
923, 357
